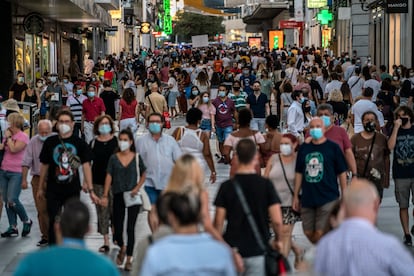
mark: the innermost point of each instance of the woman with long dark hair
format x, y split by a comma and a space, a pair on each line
128, 111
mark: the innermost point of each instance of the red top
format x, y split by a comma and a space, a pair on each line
108, 75
92, 108
128, 110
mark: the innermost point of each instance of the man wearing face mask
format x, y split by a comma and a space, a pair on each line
31, 161
247, 80
59, 179
92, 107
371, 153
259, 104
74, 102
17, 88
158, 152
400, 141
295, 116
319, 164
54, 93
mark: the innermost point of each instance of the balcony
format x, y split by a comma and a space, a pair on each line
108, 4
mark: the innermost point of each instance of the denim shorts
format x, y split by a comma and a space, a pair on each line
223, 132
205, 124
153, 194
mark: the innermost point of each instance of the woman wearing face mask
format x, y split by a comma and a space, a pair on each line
31, 95
306, 108
280, 169
103, 146
208, 114
121, 176
194, 99
14, 145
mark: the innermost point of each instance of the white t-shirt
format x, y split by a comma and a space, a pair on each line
359, 108
334, 84
375, 85
356, 84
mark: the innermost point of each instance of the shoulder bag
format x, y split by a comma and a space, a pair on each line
142, 196
287, 182
275, 262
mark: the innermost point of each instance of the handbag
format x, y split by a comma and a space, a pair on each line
131, 200
275, 263
145, 201
73, 159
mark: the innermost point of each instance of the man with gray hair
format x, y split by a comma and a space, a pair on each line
356, 247
31, 161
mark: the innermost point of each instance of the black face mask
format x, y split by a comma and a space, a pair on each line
404, 121
236, 88
370, 127
307, 109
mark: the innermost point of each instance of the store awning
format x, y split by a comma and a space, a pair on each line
265, 12
198, 6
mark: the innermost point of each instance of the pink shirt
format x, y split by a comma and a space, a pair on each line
207, 111
12, 162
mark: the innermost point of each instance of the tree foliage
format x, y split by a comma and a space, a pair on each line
189, 24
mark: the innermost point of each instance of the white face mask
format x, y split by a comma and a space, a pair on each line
285, 149
64, 129
123, 145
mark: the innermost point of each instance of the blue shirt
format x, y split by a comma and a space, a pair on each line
357, 248
247, 81
184, 255
320, 165
258, 105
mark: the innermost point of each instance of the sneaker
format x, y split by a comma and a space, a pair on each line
27, 226
217, 156
42, 243
407, 240
222, 160
11, 232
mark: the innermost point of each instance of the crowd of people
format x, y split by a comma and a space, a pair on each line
306, 136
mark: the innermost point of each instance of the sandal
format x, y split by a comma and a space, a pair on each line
299, 258
120, 257
104, 249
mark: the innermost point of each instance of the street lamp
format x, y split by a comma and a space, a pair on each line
363, 3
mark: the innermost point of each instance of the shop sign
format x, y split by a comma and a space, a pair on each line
33, 23
397, 6
111, 29
315, 4
145, 28
287, 24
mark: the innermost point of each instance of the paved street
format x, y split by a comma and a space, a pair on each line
13, 249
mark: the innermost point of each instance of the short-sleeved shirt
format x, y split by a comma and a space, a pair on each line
156, 102
128, 110
207, 111
239, 100
247, 81
260, 195
109, 97
92, 108
224, 112
18, 90
101, 152
403, 162
75, 105
124, 179
12, 161
338, 135
258, 105
60, 171
319, 165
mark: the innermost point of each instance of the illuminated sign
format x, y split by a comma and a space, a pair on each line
315, 4
275, 39
167, 18
255, 42
145, 27
324, 17
326, 37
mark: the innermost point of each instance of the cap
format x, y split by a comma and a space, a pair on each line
11, 104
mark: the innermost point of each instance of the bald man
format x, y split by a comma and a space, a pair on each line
357, 247
319, 166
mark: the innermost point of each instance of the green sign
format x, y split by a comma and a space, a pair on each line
315, 4
167, 18
324, 17
275, 42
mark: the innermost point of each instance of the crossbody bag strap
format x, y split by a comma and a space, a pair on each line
153, 110
369, 155
137, 166
355, 82
63, 144
284, 174
249, 215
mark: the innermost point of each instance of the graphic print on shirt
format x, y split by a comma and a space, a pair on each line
314, 167
64, 172
405, 150
223, 108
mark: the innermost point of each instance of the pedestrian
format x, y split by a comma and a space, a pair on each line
110, 98
31, 95
239, 97
74, 102
128, 111
258, 103
123, 174
401, 138
14, 145
59, 178
264, 203
371, 153
18, 87
318, 166
281, 171
159, 152
361, 106
172, 93
31, 162
186, 243
208, 124
92, 107
53, 95
71, 257
194, 141
295, 117
155, 102
74, 70
366, 256
103, 146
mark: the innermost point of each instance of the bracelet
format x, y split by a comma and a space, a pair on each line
214, 173
90, 190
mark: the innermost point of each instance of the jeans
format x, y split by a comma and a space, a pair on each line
223, 132
258, 124
254, 266
11, 186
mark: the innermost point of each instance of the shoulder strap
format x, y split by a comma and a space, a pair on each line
137, 165
355, 82
93, 143
149, 99
249, 215
284, 174
369, 155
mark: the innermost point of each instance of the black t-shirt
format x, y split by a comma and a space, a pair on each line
18, 90
109, 98
403, 162
61, 178
260, 195
101, 152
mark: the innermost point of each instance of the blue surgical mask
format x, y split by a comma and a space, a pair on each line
205, 99
65, 81
91, 94
53, 79
302, 100
154, 128
316, 133
326, 120
105, 129
21, 79
195, 92
43, 138
222, 94
79, 92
